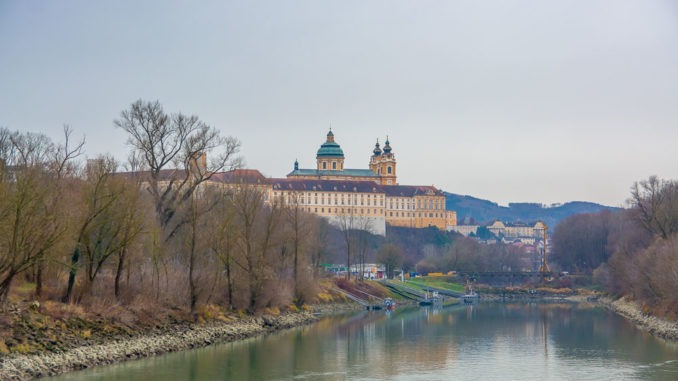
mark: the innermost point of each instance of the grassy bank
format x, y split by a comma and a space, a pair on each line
437, 282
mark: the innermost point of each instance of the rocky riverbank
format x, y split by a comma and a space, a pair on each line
170, 339
632, 311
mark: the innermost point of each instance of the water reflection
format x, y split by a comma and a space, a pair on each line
482, 341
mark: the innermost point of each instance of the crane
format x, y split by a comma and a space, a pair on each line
544, 266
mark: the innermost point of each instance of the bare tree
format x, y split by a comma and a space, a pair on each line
391, 256
98, 198
363, 233
132, 218
257, 227
164, 141
299, 226
657, 202
223, 237
319, 243
30, 209
347, 223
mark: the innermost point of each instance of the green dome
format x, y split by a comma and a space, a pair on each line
330, 149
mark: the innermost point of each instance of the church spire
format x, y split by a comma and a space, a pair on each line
387, 146
377, 150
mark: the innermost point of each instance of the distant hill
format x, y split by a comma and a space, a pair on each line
484, 211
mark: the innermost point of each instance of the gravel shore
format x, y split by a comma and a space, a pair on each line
630, 310
181, 337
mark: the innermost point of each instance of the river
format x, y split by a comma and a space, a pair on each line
492, 341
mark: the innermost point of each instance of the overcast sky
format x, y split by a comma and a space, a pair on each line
541, 101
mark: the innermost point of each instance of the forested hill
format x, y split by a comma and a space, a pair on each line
484, 211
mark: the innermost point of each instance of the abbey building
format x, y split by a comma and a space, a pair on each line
365, 196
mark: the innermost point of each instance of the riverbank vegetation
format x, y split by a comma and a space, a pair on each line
633, 252
97, 247
148, 232
91, 247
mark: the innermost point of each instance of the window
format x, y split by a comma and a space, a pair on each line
316, 210
322, 210
388, 169
324, 165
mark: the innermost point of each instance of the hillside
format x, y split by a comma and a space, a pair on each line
484, 211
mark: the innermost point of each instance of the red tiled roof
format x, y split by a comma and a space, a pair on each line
252, 176
163, 175
352, 186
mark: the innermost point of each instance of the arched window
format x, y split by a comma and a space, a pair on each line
334, 165
388, 169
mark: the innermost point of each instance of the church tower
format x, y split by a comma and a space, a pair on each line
383, 163
330, 156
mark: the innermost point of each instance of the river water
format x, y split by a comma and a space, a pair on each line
493, 341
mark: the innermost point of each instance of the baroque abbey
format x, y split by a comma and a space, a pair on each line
369, 196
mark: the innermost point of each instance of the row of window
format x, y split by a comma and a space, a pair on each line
334, 165
377, 211
420, 204
333, 198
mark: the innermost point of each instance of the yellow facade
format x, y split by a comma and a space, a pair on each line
408, 211
410, 206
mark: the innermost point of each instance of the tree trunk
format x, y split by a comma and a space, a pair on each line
5, 285
38, 281
191, 264
229, 281
71, 274
297, 293
118, 273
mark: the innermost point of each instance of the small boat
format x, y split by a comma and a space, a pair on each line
435, 298
471, 296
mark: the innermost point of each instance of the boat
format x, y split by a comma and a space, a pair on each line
434, 299
471, 296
